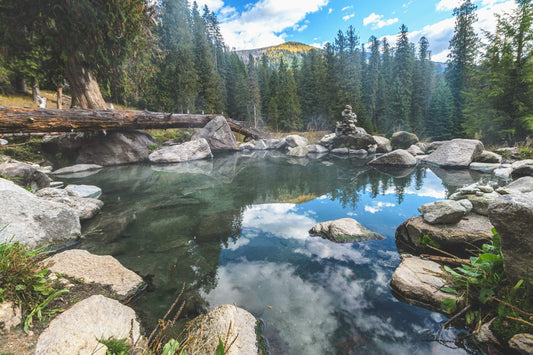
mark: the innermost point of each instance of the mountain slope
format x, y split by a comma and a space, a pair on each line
287, 51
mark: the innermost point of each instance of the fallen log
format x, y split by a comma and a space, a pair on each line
30, 120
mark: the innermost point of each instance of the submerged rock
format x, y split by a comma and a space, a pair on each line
218, 135
420, 280
225, 321
192, 150
79, 329
397, 157
87, 191
35, 221
104, 270
445, 211
344, 230
471, 231
512, 216
78, 168
457, 153
403, 140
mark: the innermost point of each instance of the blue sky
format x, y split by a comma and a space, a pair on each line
259, 23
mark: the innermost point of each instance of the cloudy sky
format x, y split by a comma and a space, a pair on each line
248, 24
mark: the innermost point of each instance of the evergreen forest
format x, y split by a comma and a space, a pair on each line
170, 56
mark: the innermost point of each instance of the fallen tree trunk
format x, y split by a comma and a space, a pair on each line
29, 120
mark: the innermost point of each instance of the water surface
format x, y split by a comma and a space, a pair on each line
235, 230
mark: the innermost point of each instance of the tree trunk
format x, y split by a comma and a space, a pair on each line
35, 92
83, 85
20, 83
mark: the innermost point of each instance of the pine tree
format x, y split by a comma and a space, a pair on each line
422, 81
461, 60
402, 90
288, 103
384, 115
438, 123
372, 80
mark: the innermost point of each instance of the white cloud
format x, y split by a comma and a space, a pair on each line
263, 23
347, 17
377, 21
213, 5
378, 206
301, 28
447, 5
347, 8
330, 10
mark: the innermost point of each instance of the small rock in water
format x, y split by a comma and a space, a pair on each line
88, 191
344, 230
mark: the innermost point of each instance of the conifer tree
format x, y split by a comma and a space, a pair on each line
402, 90
288, 103
438, 123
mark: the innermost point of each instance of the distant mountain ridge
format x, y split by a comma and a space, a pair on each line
287, 51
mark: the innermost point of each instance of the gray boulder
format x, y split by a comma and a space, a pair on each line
359, 153
35, 221
522, 168
519, 186
421, 280
101, 148
397, 157
489, 157
344, 230
10, 317
423, 146
356, 141
225, 321
523, 343
455, 238
296, 141
86, 208
445, 211
317, 148
415, 150
298, 152
87, 191
512, 216
79, 329
25, 175
192, 150
327, 139
457, 153
218, 134
403, 140
480, 200
103, 270
433, 146
503, 173
487, 168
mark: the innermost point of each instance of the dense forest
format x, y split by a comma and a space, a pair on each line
171, 57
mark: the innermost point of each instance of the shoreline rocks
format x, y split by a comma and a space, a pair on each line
192, 150
457, 153
344, 230
397, 157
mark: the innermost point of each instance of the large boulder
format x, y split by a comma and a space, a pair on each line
415, 150
85, 207
397, 157
225, 322
512, 216
296, 141
488, 157
519, 186
344, 230
101, 148
79, 329
457, 153
25, 175
421, 280
403, 140
317, 148
192, 150
32, 220
383, 144
218, 134
103, 270
356, 141
455, 238
522, 168
445, 211
298, 151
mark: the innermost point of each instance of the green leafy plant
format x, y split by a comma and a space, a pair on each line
171, 347
24, 281
116, 346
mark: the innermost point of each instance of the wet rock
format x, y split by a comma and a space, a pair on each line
79, 329
519, 186
225, 321
35, 221
344, 230
397, 157
10, 317
86, 208
489, 157
403, 140
487, 168
457, 153
523, 343
192, 150
296, 141
317, 148
512, 216
445, 211
479, 199
104, 270
86, 191
522, 168
218, 134
359, 153
25, 175
78, 170
415, 150
473, 230
383, 145
420, 280
298, 152
503, 173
